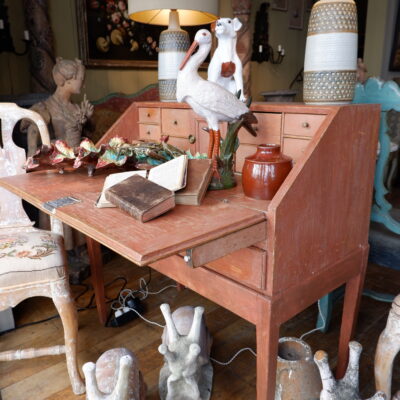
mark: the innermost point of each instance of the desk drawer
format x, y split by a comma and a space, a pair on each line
149, 115
294, 147
176, 122
268, 130
304, 125
246, 266
149, 132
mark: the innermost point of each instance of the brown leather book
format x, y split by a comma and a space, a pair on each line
141, 198
199, 175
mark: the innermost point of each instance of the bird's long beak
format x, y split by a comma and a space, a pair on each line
191, 50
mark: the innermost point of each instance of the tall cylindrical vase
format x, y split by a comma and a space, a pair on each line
174, 42
331, 53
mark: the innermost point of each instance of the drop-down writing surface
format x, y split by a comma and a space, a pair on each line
182, 228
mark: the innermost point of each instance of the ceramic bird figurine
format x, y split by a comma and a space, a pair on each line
208, 99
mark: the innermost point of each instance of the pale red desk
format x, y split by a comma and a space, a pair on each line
264, 261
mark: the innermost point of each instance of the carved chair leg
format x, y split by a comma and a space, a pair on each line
66, 308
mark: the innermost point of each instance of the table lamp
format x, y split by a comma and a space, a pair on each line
173, 42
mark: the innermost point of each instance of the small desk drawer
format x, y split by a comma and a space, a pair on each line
149, 132
246, 266
176, 122
268, 130
149, 115
302, 124
294, 147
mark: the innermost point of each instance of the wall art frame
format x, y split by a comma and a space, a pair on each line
394, 64
279, 5
109, 38
296, 14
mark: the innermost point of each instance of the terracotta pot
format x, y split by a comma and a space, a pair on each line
265, 171
297, 375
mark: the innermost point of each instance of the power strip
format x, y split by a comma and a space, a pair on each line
124, 315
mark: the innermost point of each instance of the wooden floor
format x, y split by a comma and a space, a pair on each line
46, 378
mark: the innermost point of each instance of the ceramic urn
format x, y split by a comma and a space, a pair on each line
330, 64
297, 376
264, 172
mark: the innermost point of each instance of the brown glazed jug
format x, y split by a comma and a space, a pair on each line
265, 171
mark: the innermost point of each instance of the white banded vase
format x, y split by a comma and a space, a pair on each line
330, 65
174, 43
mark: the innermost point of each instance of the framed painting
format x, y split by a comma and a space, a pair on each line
395, 55
280, 5
109, 38
296, 14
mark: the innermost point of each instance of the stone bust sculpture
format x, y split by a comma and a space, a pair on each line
65, 119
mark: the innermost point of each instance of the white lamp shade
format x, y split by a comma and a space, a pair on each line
156, 12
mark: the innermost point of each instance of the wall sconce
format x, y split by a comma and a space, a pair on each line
262, 50
6, 42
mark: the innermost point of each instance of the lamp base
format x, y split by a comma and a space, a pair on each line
173, 46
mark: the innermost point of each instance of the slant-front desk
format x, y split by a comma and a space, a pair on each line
264, 260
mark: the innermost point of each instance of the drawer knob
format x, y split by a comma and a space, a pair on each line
148, 132
192, 139
305, 125
148, 115
175, 122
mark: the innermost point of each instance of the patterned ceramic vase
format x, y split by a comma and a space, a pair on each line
174, 42
297, 376
264, 172
330, 64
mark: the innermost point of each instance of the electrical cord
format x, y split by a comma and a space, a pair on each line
316, 329
120, 303
126, 294
89, 306
234, 356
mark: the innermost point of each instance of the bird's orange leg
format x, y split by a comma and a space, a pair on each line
217, 138
210, 144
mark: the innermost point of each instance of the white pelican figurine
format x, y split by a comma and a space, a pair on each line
208, 99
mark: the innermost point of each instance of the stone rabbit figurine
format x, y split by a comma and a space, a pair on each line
186, 343
346, 388
115, 376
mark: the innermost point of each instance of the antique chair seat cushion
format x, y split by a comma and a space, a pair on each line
30, 257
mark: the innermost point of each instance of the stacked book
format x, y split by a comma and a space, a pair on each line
178, 181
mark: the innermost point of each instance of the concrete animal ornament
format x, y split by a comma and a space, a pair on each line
346, 388
186, 344
115, 376
387, 349
225, 66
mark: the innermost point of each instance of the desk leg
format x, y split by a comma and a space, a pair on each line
96, 269
267, 351
351, 305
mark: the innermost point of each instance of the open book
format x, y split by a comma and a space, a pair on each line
170, 175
